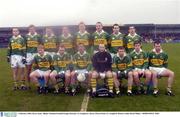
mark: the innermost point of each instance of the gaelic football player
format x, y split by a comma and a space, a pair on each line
16, 57
116, 40
102, 68
140, 66
123, 69
67, 40
42, 64
130, 39
50, 41
61, 71
33, 39
99, 37
82, 36
82, 68
158, 63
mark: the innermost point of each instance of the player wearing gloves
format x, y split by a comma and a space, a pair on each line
61, 72
82, 68
16, 57
102, 63
122, 69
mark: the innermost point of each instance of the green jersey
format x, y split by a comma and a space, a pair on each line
32, 41
129, 42
61, 62
83, 38
122, 64
16, 46
115, 41
82, 61
158, 60
100, 38
50, 43
139, 60
68, 43
43, 63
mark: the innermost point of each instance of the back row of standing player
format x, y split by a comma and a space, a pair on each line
51, 43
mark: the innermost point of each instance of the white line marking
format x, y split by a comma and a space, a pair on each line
84, 104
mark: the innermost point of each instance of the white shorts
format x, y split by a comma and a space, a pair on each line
138, 69
40, 72
16, 61
157, 69
83, 71
29, 58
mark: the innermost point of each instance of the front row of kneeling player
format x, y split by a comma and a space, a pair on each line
131, 66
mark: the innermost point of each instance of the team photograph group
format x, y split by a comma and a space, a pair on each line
96, 62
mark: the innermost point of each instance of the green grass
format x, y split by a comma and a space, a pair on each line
31, 101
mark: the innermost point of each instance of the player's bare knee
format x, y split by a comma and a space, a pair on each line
109, 74
171, 73
94, 74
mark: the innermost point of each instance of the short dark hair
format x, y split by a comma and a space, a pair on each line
157, 42
121, 48
115, 25
137, 42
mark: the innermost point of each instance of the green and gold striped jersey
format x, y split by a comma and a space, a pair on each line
158, 60
32, 41
129, 42
82, 61
115, 41
139, 60
43, 63
100, 38
122, 64
61, 62
50, 43
83, 38
68, 43
16, 46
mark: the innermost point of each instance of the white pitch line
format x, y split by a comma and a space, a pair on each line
84, 104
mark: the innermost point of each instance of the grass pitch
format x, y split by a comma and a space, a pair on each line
31, 101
